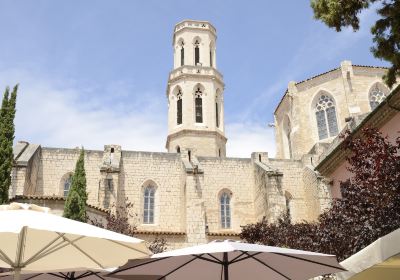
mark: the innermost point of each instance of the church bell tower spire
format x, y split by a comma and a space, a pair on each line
195, 92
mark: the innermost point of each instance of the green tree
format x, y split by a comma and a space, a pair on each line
75, 204
386, 31
7, 131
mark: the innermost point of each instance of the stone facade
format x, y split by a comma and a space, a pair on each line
350, 88
194, 193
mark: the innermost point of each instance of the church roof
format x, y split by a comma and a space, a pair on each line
325, 73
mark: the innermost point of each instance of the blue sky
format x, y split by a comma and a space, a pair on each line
95, 72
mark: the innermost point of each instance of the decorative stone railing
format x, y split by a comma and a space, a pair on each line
195, 70
195, 24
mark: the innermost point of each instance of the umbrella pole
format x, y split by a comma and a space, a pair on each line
17, 273
226, 266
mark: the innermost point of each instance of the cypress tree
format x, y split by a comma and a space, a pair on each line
7, 131
75, 204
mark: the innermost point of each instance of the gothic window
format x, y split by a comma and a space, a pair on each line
376, 96
179, 107
198, 105
288, 200
109, 184
287, 141
196, 52
182, 54
225, 207
148, 211
178, 149
216, 114
67, 185
325, 114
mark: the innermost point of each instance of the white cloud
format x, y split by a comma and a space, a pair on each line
245, 138
56, 114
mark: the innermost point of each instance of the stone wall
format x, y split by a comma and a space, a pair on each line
234, 176
290, 186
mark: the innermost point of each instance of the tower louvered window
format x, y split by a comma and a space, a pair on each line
216, 114
196, 52
182, 55
198, 106
225, 208
325, 114
179, 108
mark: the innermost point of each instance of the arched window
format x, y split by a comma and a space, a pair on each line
148, 209
182, 53
67, 185
198, 102
196, 52
376, 95
325, 114
178, 149
216, 114
179, 107
225, 206
288, 202
287, 141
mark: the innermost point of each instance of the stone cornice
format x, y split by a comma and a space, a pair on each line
194, 25
196, 72
192, 132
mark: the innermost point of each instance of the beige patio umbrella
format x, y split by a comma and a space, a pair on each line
379, 260
231, 260
34, 240
83, 275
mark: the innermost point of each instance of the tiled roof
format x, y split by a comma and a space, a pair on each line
223, 234
153, 232
55, 198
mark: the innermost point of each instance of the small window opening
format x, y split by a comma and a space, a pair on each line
211, 59
112, 150
190, 156
259, 158
219, 152
178, 150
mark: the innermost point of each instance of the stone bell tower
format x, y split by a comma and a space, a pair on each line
195, 93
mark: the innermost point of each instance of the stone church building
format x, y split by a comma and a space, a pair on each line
194, 193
